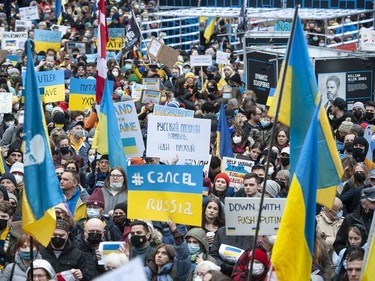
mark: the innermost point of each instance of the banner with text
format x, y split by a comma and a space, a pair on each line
82, 93
116, 38
156, 192
13, 40
162, 110
29, 13
236, 169
47, 39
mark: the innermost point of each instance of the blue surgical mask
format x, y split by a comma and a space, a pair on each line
339, 215
193, 248
185, 70
128, 66
93, 213
26, 255
265, 123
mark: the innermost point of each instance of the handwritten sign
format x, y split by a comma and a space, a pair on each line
205, 164
151, 84
241, 215
150, 96
367, 40
222, 57
6, 102
201, 60
162, 110
156, 192
236, 170
130, 130
13, 40
23, 25
29, 13
82, 93
47, 39
116, 38
189, 138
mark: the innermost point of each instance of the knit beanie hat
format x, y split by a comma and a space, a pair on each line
363, 141
346, 126
223, 176
122, 206
61, 224
261, 256
9, 176
13, 149
96, 198
17, 167
272, 188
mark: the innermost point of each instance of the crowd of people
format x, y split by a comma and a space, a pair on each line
96, 195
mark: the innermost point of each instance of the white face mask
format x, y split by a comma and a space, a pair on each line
9, 123
237, 139
227, 95
270, 171
21, 119
91, 158
93, 213
115, 73
19, 179
48, 107
258, 268
197, 278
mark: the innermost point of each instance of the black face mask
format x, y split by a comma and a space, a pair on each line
64, 150
357, 114
138, 240
3, 224
94, 238
359, 176
210, 76
285, 161
369, 115
119, 220
349, 147
57, 242
359, 154
282, 184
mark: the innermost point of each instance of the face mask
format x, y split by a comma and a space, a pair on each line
90, 141
26, 255
21, 119
193, 248
282, 184
339, 215
264, 123
57, 242
115, 73
118, 93
227, 95
64, 150
20, 93
78, 134
369, 115
48, 107
16, 106
321, 44
359, 154
128, 66
270, 171
197, 278
237, 140
91, 158
258, 268
185, 70
19, 179
115, 185
211, 89
315, 38
348, 146
9, 123
359, 176
94, 238
138, 240
347, 20
119, 220
284, 161
93, 213
357, 114
3, 224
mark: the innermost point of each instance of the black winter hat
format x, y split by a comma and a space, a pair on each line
363, 141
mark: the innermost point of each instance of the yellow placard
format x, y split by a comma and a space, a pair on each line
44, 46
81, 101
54, 93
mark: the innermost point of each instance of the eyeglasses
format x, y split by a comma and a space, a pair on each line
116, 176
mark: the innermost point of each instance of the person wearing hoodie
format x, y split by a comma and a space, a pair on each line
360, 149
198, 248
42, 268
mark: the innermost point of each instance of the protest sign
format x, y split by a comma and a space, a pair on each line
13, 58
150, 96
82, 93
47, 39
130, 130
133, 270
367, 40
230, 253
156, 192
16, 227
81, 46
205, 164
241, 215
13, 40
222, 57
162, 110
189, 138
136, 90
105, 248
158, 51
29, 13
236, 169
116, 38
6, 102
151, 83
23, 25
62, 28
201, 60
51, 85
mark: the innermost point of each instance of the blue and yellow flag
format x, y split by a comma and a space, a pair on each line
107, 135
210, 28
297, 106
294, 246
223, 141
58, 11
42, 188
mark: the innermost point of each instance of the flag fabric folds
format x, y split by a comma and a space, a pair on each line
368, 268
294, 246
223, 141
101, 68
210, 28
297, 105
133, 33
42, 188
58, 11
107, 135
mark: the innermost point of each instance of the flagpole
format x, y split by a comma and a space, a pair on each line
273, 134
31, 258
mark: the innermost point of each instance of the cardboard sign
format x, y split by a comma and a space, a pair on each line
222, 57
162, 110
201, 60
158, 51
16, 227
81, 46
150, 96
367, 40
236, 169
156, 192
241, 215
23, 25
82, 93
13, 40
6, 102
151, 83
47, 39
189, 138
29, 13
130, 130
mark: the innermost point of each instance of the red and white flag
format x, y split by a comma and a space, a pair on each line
101, 64
65, 276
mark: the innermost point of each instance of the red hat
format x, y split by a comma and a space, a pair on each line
261, 256
96, 198
223, 176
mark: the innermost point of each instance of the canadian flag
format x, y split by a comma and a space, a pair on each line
65, 276
101, 65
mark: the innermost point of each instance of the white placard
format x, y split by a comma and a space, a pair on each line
205, 164
29, 13
134, 270
6, 102
201, 60
236, 169
222, 57
367, 40
163, 110
189, 138
22, 25
61, 28
241, 215
13, 40
154, 48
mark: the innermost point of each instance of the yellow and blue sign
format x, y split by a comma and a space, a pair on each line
82, 93
47, 39
156, 192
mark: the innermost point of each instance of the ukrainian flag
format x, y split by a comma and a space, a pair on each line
42, 188
368, 269
107, 135
58, 11
223, 141
210, 27
294, 247
297, 106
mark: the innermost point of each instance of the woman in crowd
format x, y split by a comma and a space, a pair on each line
213, 217
240, 143
221, 186
282, 137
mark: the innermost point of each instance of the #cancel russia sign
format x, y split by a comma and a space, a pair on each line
241, 215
